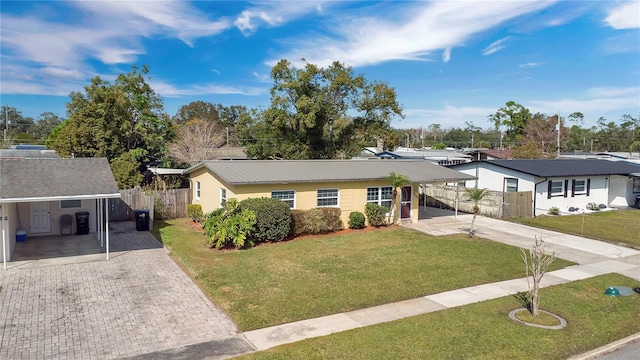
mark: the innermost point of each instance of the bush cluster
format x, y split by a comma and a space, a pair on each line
273, 218
315, 221
376, 214
230, 226
194, 211
356, 220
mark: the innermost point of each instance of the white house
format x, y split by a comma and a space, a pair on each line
561, 183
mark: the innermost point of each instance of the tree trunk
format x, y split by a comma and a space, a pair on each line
473, 221
534, 298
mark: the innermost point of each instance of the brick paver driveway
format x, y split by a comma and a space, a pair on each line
137, 302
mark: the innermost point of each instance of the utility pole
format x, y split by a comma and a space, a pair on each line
558, 134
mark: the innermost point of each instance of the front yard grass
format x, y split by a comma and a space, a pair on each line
316, 276
484, 331
615, 226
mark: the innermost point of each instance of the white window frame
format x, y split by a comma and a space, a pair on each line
506, 184
197, 190
336, 197
555, 194
285, 199
574, 191
71, 207
635, 184
223, 196
379, 201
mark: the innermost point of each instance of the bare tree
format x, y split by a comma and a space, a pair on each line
197, 140
536, 262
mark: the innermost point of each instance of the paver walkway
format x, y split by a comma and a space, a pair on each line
135, 303
593, 258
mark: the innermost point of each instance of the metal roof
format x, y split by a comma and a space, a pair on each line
297, 171
566, 167
28, 154
23, 180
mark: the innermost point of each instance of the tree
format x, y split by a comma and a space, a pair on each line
514, 116
476, 195
536, 262
396, 181
126, 170
111, 119
196, 140
44, 125
529, 150
541, 130
307, 105
14, 125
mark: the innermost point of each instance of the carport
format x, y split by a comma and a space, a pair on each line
35, 193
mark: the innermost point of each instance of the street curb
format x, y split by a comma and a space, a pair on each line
607, 348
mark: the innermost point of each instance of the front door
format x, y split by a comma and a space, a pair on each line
405, 203
40, 217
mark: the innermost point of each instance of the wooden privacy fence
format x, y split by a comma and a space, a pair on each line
496, 204
163, 204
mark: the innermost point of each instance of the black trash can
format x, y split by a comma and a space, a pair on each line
142, 220
82, 222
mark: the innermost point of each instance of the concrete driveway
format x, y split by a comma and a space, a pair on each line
138, 302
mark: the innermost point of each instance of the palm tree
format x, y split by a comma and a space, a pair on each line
476, 195
396, 181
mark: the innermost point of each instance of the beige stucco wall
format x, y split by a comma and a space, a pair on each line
352, 196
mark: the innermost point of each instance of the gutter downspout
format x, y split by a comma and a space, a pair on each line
535, 193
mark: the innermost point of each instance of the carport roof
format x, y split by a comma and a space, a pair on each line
26, 180
299, 171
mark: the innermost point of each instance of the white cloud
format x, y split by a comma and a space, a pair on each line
448, 116
595, 102
625, 16
62, 73
274, 13
169, 90
263, 78
495, 46
419, 29
530, 64
625, 42
446, 55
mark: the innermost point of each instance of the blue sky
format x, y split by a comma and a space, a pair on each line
450, 61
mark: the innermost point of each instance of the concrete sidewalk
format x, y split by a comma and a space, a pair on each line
593, 258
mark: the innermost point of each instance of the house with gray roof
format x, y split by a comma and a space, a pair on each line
36, 193
561, 183
305, 184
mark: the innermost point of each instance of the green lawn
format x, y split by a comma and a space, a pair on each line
310, 277
484, 331
620, 227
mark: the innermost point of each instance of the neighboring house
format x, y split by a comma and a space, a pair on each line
560, 183
490, 154
439, 157
28, 153
307, 184
35, 193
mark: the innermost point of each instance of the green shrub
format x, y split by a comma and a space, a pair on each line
376, 214
273, 218
194, 211
315, 221
356, 220
332, 219
554, 210
230, 227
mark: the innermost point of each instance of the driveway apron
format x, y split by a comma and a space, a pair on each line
137, 302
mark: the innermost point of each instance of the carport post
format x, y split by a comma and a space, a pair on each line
100, 221
107, 229
457, 185
4, 239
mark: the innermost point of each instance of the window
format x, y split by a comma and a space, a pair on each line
510, 185
288, 196
580, 187
70, 204
327, 197
556, 188
380, 195
197, 190
223, 196
636, 184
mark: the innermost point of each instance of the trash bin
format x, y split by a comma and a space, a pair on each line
142, 220
82, 222
21, 235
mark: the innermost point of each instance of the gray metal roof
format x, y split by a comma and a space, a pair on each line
22, 180
28, 154
567, 167
297, 171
